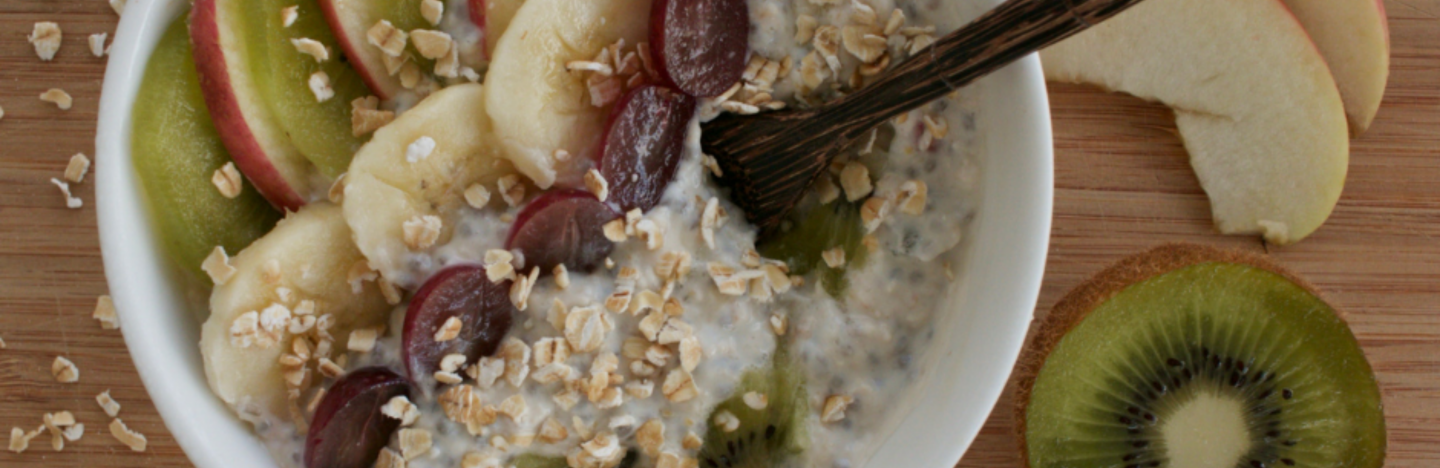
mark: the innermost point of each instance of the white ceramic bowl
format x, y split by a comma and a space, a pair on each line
991, 307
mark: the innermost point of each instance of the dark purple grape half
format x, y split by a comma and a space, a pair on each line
699, 46
348, 430
643, 144
462, 291
564, 226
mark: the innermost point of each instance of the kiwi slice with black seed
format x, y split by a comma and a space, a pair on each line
1188, 356
812, 228
820, 228
768, 436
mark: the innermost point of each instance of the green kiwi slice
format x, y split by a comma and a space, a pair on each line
813, 228
1187, 356
821, 228
175, 151
768, 436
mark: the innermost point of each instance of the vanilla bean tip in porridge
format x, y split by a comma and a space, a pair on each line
503, 245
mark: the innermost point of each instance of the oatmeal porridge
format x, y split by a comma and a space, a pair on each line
527, 259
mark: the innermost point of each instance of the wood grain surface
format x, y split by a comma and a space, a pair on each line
1123, 183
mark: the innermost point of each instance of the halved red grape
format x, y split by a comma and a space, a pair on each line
348, 430
564, 226
700, 45
642, 145
461, 291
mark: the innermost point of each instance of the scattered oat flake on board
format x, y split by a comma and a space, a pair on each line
64, 370
97, 44
20, 440
135, 440
118, 6
111, 407
57, 96
77, 168
73, 433
46, 39
105, 313
71, 201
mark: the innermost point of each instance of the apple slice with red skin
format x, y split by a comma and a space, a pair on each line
643, 143
260, 147
492, 17
699, 46
464, 292
563, 226
348, 430
351, 19
477, 13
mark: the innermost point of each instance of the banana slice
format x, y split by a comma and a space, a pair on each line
390, 183
537, 105
307, 257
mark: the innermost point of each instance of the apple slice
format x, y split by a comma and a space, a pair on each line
537, 105
1354, 38
493, 17
176, 152
1254, 102
384, 190
246, 125
314, 256
351, 19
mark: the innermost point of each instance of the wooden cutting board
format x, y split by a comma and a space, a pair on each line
1122, 184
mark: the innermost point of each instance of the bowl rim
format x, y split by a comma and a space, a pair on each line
212, 437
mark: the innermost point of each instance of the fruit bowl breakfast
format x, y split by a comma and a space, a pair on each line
483, 233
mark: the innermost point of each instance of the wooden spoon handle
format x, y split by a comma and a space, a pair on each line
1001, 36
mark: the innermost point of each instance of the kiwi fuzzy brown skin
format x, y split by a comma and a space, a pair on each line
1077, 304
